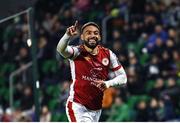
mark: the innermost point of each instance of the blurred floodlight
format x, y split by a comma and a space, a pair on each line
144, 50
29, 43
37, 84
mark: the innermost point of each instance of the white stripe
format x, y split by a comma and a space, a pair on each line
71, 94
113, 60
72, 65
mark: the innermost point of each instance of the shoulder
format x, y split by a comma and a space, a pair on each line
78, 47
103, 48
76, 51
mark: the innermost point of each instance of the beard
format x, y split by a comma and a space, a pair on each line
91, 42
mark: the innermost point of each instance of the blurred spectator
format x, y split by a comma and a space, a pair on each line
27, 99
142, 111
18, 93
7, 117
159, 47
173, 14
82, 5
48, 22
134, 62
22, 116
166, 110
24, 119
173, 91
45, 115
152, 69
17, 114
135, 85
159, 33
23, 56
64, 92
159, 87
119, 111
134, 32
166, 64
176, 58
153, 110
42, 48
120, 51
172, 33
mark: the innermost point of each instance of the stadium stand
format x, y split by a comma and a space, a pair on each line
144, 34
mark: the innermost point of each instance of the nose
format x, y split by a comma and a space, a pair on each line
92, 35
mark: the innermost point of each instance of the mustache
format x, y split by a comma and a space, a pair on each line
95, 38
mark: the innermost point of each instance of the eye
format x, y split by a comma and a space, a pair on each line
96, 33
88, 32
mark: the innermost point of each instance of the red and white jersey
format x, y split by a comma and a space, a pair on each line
86, 68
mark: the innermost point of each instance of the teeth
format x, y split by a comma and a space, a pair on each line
91, 40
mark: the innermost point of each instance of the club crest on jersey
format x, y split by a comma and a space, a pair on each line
105, 61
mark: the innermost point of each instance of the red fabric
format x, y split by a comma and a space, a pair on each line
71, 112
89, 68
116, 68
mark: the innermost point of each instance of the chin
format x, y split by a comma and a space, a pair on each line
92, 46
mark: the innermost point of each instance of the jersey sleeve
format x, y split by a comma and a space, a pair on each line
66, 50
120, 75
74, 52
114, 63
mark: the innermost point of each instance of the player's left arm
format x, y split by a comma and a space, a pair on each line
120, 74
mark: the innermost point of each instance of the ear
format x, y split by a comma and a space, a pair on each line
99, 37
82, 37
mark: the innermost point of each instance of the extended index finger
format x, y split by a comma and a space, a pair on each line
76, 24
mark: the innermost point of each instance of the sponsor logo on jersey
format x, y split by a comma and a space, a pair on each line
96, 72
88, 78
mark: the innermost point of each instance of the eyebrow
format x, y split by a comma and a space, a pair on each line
91, 31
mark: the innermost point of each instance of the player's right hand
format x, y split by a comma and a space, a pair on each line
72, 30
99, 84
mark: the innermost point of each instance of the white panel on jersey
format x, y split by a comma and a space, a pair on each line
71, 94
76, 52
113, 60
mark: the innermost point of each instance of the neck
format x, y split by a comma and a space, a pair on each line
92, 51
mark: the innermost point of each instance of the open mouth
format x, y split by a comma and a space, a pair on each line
92, 40
91, 43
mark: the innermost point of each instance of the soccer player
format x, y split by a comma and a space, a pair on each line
90, 64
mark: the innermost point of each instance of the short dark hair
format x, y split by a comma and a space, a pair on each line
88, 24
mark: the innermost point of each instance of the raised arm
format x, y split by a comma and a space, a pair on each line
63, 48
